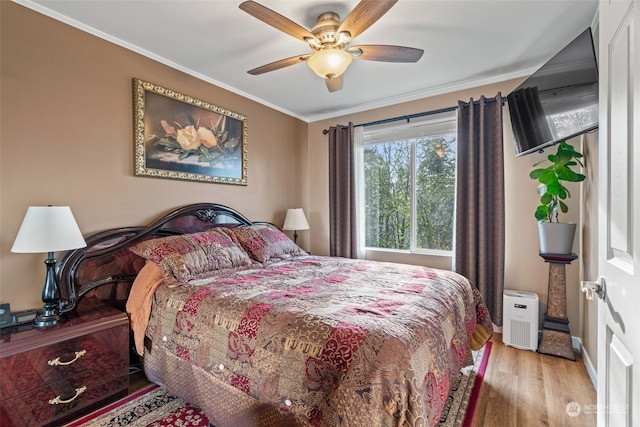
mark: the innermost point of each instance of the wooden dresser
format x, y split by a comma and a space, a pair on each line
52, 375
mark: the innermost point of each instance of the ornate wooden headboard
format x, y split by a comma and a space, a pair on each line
106, 268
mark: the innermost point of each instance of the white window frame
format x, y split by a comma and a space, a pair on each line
448, 120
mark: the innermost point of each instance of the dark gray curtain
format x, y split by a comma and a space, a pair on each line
342, 193
479, 242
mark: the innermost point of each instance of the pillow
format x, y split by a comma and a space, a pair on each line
264, 242
190, 256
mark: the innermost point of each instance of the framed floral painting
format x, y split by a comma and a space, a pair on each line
180, 137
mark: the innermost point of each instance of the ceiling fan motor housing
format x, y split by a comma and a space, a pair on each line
325, 28
325, 32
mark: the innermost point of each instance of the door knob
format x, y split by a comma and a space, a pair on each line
591, 289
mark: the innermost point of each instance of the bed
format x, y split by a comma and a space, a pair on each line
233, 317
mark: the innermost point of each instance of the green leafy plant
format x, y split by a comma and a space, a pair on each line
551, 189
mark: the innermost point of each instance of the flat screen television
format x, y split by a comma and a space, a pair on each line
559, 101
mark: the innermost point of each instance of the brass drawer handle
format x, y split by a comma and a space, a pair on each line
57, 362
57, 400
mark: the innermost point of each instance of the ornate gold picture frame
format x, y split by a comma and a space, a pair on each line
180, 137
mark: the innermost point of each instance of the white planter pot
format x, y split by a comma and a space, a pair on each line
556, 237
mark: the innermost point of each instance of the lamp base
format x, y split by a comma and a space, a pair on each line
50, 297
47, 319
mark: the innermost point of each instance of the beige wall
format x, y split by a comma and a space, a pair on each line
524, 268
66, 138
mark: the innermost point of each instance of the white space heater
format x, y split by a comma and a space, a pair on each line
520, 319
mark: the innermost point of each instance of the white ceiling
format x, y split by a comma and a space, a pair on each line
466, 44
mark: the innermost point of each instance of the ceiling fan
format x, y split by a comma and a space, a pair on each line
329, 40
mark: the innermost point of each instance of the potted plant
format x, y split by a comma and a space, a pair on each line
556, 237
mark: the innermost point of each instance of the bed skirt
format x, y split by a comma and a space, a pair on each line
223, 404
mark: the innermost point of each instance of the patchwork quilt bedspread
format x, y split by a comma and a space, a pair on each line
322, 341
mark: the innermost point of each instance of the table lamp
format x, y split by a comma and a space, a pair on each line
295, 220
48, 229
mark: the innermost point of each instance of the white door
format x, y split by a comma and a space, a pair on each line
619, 214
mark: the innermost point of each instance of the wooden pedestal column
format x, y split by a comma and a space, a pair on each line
556, 336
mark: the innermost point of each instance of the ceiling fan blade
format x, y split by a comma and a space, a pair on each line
334, 84
364, 15
386, 53
276, 20
278, 64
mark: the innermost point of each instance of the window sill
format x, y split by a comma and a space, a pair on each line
440, 260
424, 252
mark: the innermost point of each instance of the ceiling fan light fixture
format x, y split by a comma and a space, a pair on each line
330, 63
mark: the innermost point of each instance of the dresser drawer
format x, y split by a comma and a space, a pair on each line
50, 376
34, 409
93, 355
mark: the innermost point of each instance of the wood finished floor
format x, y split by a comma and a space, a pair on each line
520, 389
523, 388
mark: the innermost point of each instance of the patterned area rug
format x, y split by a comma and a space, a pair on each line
461, 403
154, 407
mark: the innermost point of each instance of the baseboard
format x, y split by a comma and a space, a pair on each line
576, 343
591, 370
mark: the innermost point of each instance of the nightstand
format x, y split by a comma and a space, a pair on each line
55, 374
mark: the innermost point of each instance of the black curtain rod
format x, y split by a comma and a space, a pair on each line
413, 116
407, 118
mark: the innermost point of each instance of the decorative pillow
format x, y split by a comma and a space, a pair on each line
190, 256
264, 242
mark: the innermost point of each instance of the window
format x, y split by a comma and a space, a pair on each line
407, 184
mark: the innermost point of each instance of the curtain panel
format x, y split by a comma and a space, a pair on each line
342, 193
480, 217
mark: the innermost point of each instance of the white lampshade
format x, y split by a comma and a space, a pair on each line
295, 220
48, 229
329, 62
